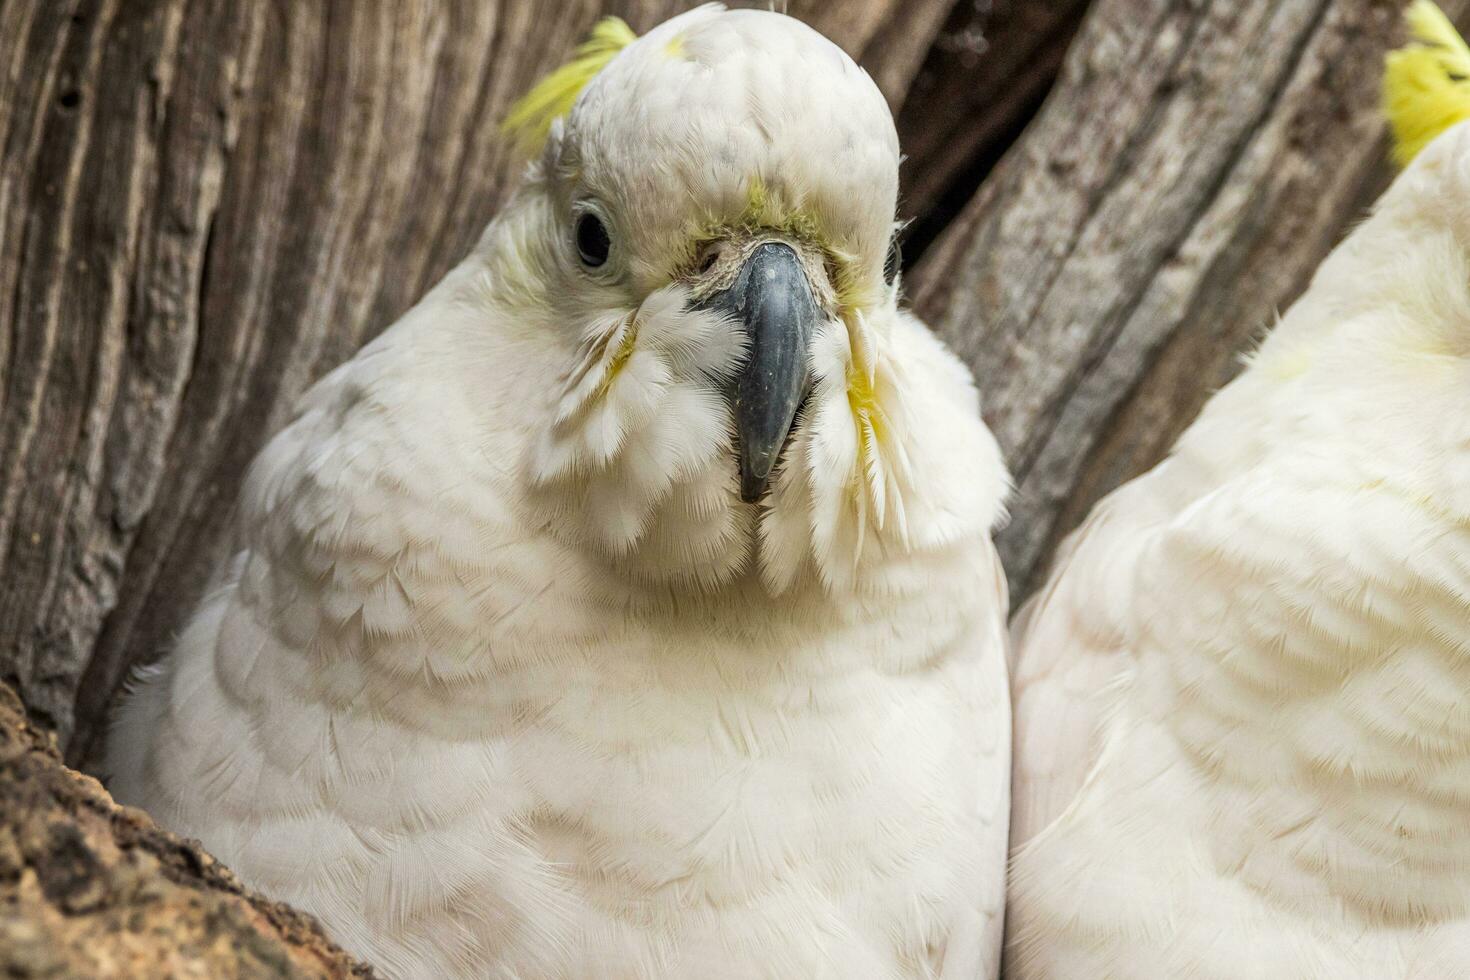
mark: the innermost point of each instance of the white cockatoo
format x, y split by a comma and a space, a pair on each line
1243, 699
628, 608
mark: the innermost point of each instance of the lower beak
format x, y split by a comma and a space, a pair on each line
772, 298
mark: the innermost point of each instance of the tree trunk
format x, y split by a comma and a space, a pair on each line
206, 204
1194, 163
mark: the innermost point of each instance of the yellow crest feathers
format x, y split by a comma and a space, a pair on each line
529, 120
1426, 83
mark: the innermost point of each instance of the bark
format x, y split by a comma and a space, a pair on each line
1194, 163
983, 80
91, 889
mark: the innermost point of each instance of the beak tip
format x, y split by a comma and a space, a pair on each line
753, 486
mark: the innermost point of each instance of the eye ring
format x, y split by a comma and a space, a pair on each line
594, 243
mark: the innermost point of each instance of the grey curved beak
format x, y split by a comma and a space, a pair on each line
773, 300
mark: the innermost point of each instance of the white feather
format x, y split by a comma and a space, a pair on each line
1243, 741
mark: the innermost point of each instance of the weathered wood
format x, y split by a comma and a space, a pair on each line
1190, 169
204, 205
981, 82
90, 889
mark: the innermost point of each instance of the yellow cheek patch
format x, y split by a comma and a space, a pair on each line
863, 401
622, 351
1426, 83
529, 121
619, 357
854, 292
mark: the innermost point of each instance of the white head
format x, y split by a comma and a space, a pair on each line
706, 237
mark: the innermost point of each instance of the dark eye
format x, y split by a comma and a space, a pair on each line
593, 243
893, 262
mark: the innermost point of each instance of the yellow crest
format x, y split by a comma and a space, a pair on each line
529, 120
1426, 83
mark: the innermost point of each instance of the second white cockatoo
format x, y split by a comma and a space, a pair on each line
628, 608
1243, 698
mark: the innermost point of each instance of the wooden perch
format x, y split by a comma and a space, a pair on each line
91, 889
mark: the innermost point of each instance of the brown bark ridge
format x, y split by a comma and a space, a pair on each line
1193, 164
205, 205
91, 889
982, 81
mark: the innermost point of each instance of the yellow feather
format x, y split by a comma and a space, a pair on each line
1426, 83
529, 120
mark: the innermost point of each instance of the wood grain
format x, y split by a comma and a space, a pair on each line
983, 80
1194, 163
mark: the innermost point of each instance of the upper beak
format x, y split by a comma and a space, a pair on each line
772, 298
